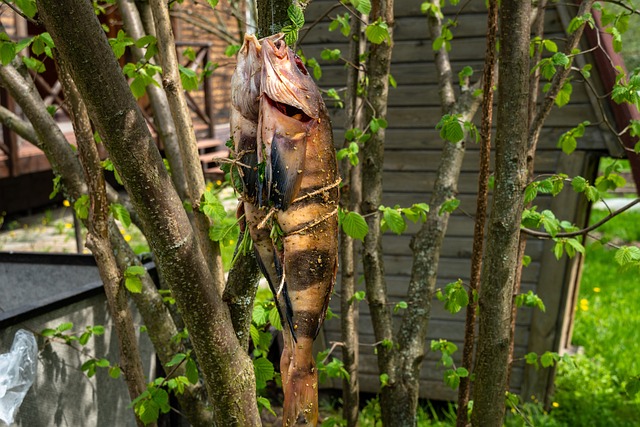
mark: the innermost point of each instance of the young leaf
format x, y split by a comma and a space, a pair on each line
263, 403
296, 16
393, 219
377, 32
355, 226
264, 371
120, 213
81, 206
192, 371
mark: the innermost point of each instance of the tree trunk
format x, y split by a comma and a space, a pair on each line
351, 196
464, 389
158, 99
506, 213
378, 66
187, 139
427, 243
98, 240
227, 369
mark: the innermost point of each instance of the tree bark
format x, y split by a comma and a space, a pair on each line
98, 240
378, 66
226, 367
351, 196
63, 159
158, 99
427, 243
187, 138
464, 389
506, 213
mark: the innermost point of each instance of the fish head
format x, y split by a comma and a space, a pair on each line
245, 82
286, 81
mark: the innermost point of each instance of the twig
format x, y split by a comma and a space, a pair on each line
545, 235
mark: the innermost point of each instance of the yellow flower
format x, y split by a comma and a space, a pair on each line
584, 304
68, 225
555, 404
218, 182
66, 203
122, 231
596, 290
127, 237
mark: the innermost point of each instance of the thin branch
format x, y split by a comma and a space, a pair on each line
545, 235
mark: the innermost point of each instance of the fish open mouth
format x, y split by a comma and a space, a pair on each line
288, 110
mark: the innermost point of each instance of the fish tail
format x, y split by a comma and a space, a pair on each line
300, 384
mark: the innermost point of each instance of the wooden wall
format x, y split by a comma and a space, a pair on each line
412, 154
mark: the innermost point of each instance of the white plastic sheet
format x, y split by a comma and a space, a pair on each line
17, 373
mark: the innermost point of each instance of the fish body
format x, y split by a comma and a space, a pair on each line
291, 208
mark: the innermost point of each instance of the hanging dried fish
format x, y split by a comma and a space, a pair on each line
290, 200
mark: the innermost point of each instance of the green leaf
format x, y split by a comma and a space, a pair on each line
66, 326
330, 54
548, 359
633, 386
400, 305
358, 296
48, 332
274, 319
558, 250
627, 254
259, 315
464, 74
384, 380
98, 330
84, 338
7, 52
362, 6
264, 403
34, 64
449, 206
296, 16
192, 371
355, 226
451, 378
28, 7
189, 78
564, 95
450, 128
212, 3
133, 284
264, 371
377, 32
135, 270
176, 359
579, 184
81, 207
212, 207
393, 219
102, 363
114, 372
120, 213
531, 359
232, 49
148, 411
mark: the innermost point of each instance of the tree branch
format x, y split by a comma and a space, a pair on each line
187, 139
582, 232
227, 369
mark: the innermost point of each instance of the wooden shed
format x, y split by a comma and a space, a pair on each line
412, 154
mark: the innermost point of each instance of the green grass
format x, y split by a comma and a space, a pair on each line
606, 326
